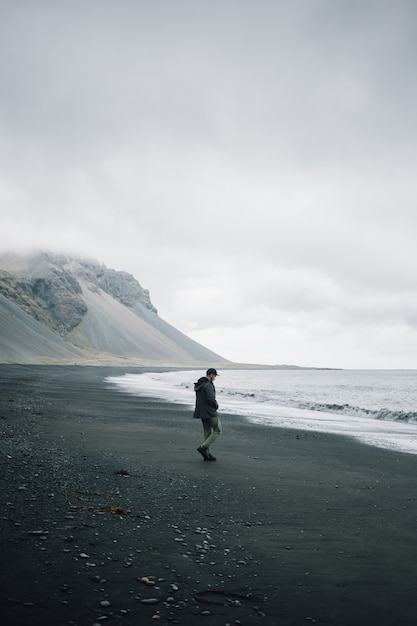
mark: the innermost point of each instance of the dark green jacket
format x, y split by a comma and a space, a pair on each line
205, 399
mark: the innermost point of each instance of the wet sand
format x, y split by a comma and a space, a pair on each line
110, 516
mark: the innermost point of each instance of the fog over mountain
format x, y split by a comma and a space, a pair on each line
55, 308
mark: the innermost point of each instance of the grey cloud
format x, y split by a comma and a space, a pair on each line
257, 158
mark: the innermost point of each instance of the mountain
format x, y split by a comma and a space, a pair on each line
56, 308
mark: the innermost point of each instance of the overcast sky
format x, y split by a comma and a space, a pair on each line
252, 163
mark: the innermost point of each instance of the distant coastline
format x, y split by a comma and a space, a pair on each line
121, 362
255, 366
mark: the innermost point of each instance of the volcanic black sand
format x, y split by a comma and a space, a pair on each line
110, 516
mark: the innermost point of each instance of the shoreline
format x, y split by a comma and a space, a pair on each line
286, 527
388, 428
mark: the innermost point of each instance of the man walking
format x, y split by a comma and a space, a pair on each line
206, 410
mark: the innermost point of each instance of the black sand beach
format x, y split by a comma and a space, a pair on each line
110, 516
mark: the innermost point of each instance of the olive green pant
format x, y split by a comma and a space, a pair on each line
212, 429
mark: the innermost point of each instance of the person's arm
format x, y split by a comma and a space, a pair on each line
211, 396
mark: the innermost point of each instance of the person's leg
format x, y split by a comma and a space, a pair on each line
206, 429
207, 432
211, 431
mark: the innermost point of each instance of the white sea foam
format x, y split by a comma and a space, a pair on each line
376, 407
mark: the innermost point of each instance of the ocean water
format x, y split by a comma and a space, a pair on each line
378, 407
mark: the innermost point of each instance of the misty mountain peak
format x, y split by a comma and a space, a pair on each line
101, 313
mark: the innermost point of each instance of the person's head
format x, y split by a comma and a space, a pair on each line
211, 373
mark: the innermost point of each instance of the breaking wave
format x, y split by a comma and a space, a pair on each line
346, 409
267, 397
